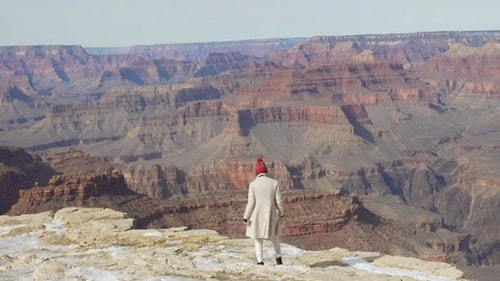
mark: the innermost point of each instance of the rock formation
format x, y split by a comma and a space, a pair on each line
62, 190
197, 51
19, 170
103, 244
469, 71
409, 49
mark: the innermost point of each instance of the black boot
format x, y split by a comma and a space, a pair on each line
279, 261
260, 263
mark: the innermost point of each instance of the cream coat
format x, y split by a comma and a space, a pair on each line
264, 208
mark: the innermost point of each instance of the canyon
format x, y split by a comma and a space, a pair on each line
380, 142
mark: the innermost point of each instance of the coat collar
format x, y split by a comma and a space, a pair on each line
261, 175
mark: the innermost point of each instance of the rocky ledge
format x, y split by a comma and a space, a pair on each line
102, 244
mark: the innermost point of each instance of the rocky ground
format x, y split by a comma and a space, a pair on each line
94, 244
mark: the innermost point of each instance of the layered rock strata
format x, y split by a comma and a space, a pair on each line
465, 71
19, 170
409, 49
62, 190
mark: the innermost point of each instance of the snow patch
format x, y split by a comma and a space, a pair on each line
362, 264
57, 226
154, 233
92, 273
6, 229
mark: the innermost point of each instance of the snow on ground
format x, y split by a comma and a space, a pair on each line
25, 255
363, 264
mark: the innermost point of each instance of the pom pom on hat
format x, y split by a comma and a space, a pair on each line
261, 166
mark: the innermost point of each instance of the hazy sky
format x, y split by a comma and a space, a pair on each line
106, 23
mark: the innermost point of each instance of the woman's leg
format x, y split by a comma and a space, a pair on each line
277, 246
259, 245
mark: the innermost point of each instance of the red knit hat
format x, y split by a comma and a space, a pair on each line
261, 166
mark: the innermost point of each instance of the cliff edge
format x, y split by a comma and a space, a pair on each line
85, 243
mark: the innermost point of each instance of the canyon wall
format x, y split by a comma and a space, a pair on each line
62, 190
19, 170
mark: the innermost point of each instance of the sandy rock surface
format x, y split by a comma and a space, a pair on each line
102, 244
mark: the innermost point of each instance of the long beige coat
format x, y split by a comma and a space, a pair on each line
264, 208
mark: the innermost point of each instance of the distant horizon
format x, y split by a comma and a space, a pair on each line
243, 40
126, 23
277, 38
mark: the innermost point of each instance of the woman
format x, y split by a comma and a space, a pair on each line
263, 212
